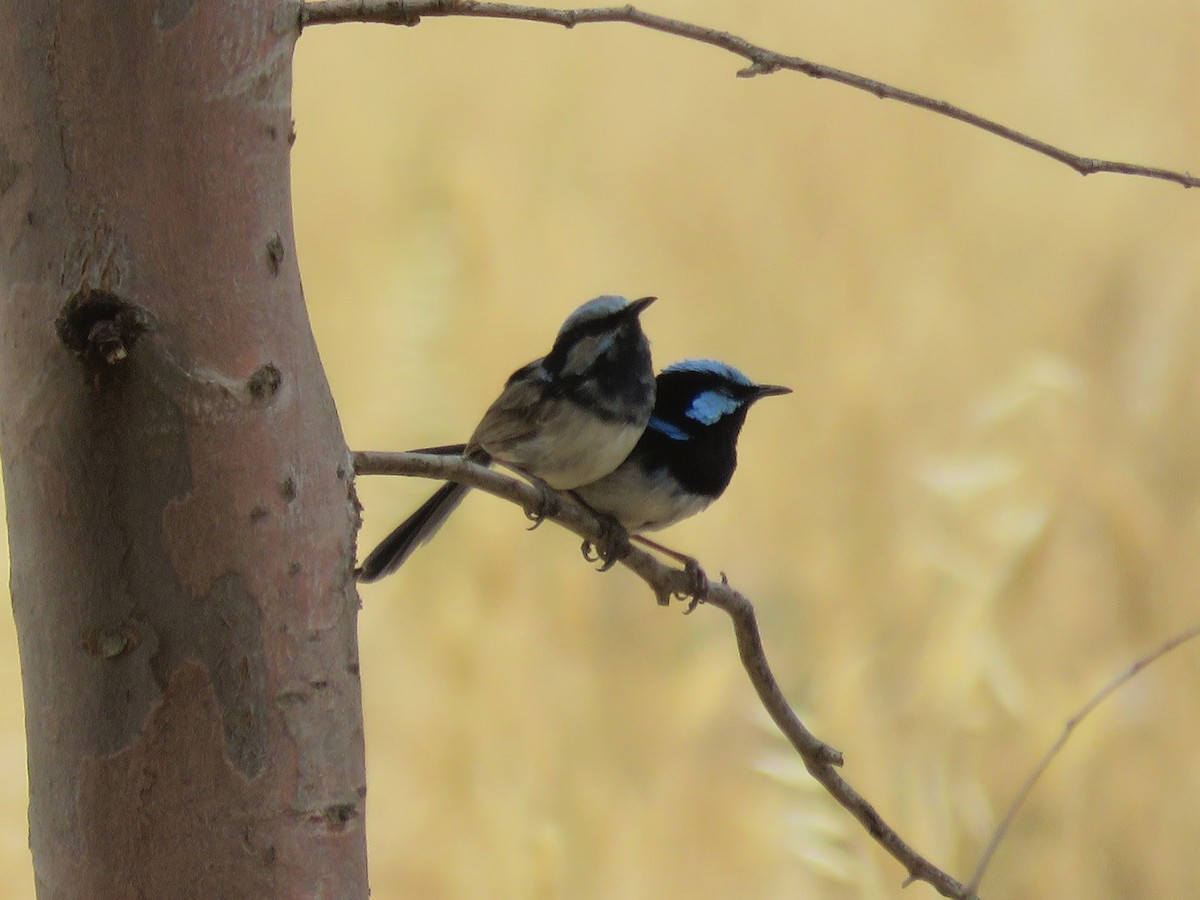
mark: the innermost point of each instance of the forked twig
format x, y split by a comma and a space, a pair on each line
821, 760
762, 62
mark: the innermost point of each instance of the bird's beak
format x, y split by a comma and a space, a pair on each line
770, 390
636, 307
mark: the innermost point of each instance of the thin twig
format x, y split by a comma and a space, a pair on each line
819, 758
1072, 723
762, 62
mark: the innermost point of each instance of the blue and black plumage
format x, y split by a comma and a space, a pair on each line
567, 419
687, 455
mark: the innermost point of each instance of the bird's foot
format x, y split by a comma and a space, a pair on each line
697, 584
547, 504
610, 548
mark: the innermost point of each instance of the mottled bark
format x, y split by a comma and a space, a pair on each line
179, 494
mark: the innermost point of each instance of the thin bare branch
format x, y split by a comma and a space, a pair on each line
1072, 723
762, 62
819, 758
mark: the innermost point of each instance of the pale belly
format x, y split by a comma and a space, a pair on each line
640, 503
570, 450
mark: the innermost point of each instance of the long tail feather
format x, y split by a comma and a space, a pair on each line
443, 450
410, 534
417, 529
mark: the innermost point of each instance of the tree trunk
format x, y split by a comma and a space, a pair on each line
180, 503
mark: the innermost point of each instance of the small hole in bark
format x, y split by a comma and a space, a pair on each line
340, 813
100, 327
275, 253
264, 382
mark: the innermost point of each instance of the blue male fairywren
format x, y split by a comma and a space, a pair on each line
687, 455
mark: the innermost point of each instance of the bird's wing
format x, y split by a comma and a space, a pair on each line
517, 414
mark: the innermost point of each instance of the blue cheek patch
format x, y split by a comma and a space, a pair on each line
665, 428
708, 407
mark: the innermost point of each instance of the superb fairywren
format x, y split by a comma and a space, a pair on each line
566, 419
687, 455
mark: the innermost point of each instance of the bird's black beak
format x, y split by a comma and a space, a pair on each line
770, 390
635, 307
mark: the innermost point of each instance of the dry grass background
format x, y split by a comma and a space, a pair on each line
982, 501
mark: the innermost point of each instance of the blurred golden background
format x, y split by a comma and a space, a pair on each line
980, 504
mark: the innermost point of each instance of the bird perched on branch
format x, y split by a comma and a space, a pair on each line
566, 419
688, 453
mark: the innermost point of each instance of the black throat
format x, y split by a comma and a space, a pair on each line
701, 456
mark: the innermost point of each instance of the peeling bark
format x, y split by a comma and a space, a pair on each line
180, 505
